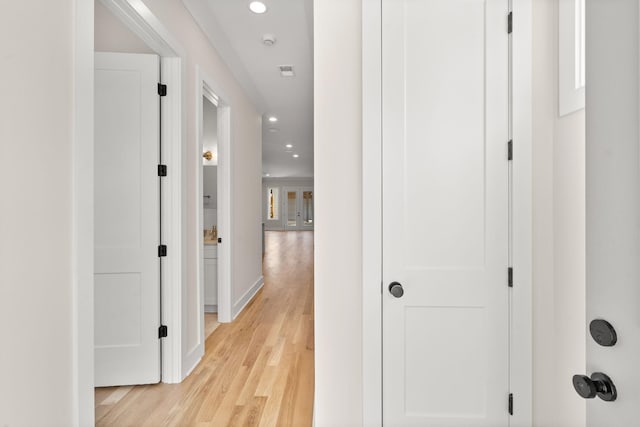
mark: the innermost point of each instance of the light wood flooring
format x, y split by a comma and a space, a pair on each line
257, 371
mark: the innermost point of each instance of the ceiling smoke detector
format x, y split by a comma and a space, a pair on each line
269, 39
286, 71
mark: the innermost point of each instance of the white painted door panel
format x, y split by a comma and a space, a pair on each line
127, 211
445, 212
613, 205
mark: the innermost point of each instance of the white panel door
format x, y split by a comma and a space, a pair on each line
612, 213
445, 212
127, 215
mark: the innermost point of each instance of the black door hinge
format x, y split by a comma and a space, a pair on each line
510, 23
162, 250
510, 150
219, 239
163, 331
162, 170
510, 403
162, 89
510, 277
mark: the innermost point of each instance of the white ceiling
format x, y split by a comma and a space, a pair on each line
236, 33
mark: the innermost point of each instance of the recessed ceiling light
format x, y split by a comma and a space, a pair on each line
257, 7
296, 156
266, 174
273, 119
289, 146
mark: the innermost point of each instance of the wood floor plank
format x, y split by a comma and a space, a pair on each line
257, 370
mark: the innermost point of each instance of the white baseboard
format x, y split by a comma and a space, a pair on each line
211, 308
190, 368
247, 297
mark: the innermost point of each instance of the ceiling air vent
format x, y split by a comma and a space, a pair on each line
286, 71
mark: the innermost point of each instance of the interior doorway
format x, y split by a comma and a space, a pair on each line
214, 215
119, 27
210, 212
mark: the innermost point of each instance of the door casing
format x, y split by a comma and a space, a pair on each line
137, 17
207, 86
521, 212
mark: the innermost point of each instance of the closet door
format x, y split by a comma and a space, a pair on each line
445, 134
127, 219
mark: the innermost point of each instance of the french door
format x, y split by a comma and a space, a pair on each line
298, 208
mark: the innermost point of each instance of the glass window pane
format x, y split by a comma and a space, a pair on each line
272, 203
307, 208
291, 208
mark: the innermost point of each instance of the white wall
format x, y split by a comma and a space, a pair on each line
111, 35
38, 358
559, 235
280, 184
338, 252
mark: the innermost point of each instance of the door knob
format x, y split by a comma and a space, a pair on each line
598, 385
396, 289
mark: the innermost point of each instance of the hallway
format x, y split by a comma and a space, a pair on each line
257, 371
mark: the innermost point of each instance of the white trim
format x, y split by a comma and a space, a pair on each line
245, 299
372, 212
143, 23
173, 216
82, 216
211, 308
521, 328
571, 95
207, 86
226, 214
522, 220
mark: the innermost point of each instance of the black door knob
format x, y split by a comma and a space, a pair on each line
598, 385
396, 289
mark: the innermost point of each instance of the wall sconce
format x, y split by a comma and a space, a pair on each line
208, 155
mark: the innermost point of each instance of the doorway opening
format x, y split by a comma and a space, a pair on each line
214, 214
210, 212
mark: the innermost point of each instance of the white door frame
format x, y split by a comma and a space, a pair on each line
208, 87
137, 17
521, 213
